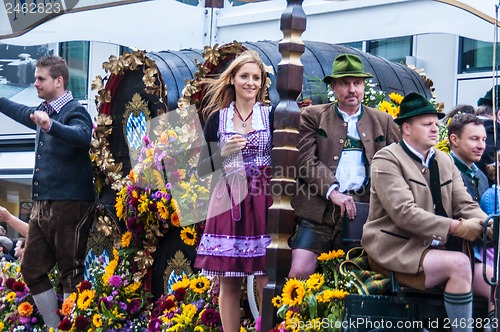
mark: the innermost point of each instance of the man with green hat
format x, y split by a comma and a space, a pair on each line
338, 141
422, 219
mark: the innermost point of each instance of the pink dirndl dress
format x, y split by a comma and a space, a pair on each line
235, 238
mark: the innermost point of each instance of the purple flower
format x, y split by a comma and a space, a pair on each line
123, 306
146, 140
154, 325
133, 306
168, 186
24, 320
199, 304
115, 281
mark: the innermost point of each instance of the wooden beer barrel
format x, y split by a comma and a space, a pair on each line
131, 103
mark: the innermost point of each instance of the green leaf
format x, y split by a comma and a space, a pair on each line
312, 303
282, 311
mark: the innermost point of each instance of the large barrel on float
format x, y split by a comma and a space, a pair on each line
143, 85
317, 59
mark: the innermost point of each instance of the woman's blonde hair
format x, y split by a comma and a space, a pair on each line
220, 93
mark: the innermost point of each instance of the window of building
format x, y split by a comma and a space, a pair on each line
76, 54
393, 49
476, 56
356, 45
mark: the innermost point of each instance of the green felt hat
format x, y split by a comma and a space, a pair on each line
488, 97
415, 104
347, 65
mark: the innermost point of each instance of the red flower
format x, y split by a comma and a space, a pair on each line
167, 305
19, 286
84, 285
10, 283
210, 317
81, 323
180, 294
65, 325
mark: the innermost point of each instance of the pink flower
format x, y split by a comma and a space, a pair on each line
115, 281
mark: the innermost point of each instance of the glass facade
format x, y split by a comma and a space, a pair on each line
393, 49
76, 54
476, 56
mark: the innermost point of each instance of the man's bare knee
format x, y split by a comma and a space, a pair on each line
304, 263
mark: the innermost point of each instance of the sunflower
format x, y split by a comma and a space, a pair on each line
200, 284
331, 294
188, 236
293, 292
97, 320
10, 296
331, 255
126, 238
184, 283
315, 281
163, 210
25, 309
276, 301
396, 97
85, 299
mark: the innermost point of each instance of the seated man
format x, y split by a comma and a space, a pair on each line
422, 219
338, 141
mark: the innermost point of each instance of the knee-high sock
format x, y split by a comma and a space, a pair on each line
459, 310
46, 302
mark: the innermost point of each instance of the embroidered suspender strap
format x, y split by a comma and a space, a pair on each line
435, 185
352, 143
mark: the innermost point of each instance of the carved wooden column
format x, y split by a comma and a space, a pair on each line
284, 156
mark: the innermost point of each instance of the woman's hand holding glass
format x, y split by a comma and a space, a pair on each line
234, 144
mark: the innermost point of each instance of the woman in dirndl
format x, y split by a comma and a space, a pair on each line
238, 155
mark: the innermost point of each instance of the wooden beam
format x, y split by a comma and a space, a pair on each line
284, 156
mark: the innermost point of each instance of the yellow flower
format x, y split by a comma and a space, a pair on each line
198, 329
126, 237
200, 284
162, 210
25, 309
293, 292
1, 326
144, 203
85, 299
315, 281
184, 283
172, 133
242, 329
396, 97
97, 320
189, 236
10, 296
132, 288
331, 294
331, 255
276, 301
